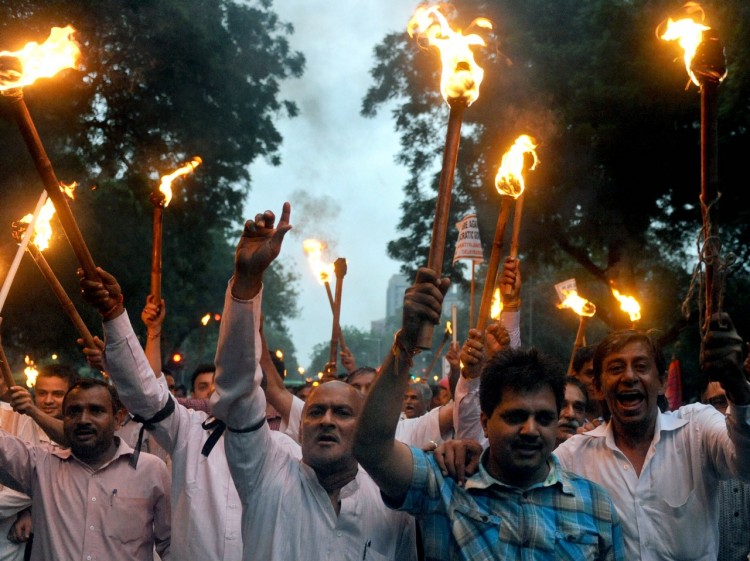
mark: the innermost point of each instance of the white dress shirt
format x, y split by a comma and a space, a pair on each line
287, 514
206, 509
671, 511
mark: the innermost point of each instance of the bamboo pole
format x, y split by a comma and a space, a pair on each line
494, 264
442, 208
51, 184
62, 296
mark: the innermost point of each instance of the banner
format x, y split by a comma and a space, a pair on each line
566, 287
468, 246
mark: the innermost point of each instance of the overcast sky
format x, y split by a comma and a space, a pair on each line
337, 168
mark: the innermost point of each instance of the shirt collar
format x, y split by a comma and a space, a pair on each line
122, 450
664, 422
556, 476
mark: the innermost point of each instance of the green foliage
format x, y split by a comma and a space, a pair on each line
159, 83
367, 349
615, 198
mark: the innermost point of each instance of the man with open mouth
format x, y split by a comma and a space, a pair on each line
663, 469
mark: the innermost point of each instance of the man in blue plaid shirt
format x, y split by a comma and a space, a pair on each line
520, 504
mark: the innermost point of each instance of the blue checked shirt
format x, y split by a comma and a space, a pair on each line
563, 518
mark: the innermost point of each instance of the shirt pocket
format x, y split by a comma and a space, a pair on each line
574, 544
474, 530
674, 522
370, 554
130, 519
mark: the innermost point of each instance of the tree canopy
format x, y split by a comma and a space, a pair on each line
159, 82
615, 198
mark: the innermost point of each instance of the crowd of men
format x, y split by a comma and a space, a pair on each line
510, 457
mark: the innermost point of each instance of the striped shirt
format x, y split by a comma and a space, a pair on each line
564, 517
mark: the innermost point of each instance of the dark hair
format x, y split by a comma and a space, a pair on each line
62, 371
522, 370
617, 340
167, 372
573, 381
359, 372
201, 369
88, 383
582, 356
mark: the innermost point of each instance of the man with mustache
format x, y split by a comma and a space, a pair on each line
663, 469
323, 506
88, 502
521, 504
573, 412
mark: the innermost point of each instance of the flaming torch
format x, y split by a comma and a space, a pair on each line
30, 372
629, 305
585, 311
161, 198
496, 307
40, 241
324, 271
459, 85
706, 67
22, 68
339, 267
510, 183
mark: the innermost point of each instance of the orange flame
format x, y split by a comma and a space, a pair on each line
688, 33
58, 52
578, 304
205, 319
43, 226
30, 371
314, 251
461, 76
628, 304
279, 354
497, 305
166, 180
448, 328
509, 179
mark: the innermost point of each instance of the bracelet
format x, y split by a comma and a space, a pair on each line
114, 307
154, 335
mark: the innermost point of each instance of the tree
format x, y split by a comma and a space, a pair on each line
615, 197
159, 83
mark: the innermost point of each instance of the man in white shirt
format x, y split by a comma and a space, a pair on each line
663, 470
206, 509
324, 506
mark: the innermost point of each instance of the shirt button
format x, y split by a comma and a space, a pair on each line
91, 527
338, 533
88, 558
625, 467
93, 499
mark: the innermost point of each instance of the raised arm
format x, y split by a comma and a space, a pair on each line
237, 400
276, 393
722, 362
153, 317
388, 461
22, 402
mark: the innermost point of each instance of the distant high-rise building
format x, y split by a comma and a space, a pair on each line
394, 298
398, 284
